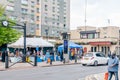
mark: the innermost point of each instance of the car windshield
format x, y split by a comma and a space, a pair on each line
88, 55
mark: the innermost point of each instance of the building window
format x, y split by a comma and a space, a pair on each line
53, 9
58, 17
32, 30
37, 2
13, 17
91, 36
84, 36
24, 11
37, 18
46, 7
24, 2
32, 20
10, 8
46, 14
53, 1
64, 25
11, 1
57, 24
38, 10
97, 35
32, 11
32, 3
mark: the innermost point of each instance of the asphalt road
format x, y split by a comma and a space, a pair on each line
64, 72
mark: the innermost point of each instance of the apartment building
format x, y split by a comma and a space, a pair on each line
45, 18
103, 39
22, 11
55, 17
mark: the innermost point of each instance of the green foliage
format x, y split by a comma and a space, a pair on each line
7, 34
2, 9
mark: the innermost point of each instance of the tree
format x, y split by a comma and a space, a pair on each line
7, 34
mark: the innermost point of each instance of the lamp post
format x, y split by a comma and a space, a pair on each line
6, 24
85, 14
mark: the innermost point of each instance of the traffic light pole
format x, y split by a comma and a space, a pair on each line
65, 49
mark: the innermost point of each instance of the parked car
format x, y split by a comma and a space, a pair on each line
94, 58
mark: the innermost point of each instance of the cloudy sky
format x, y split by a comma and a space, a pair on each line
99, 13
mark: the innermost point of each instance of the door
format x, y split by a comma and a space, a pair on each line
98, 58
103, 58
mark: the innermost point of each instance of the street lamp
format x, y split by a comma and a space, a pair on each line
85, 13
6, 24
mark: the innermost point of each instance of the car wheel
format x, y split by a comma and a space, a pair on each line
95, 63
84, 64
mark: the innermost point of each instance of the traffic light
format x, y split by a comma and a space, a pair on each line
65, 35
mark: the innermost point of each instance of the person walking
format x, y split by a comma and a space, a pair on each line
47, 55
113, 64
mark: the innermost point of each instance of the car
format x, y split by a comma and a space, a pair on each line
94, 58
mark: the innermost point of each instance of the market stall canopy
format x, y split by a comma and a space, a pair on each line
31, 42
70, 45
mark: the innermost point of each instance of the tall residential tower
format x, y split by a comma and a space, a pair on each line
44, 17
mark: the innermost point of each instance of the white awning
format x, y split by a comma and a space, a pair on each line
31, 42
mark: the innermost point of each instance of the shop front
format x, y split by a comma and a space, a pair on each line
103, 46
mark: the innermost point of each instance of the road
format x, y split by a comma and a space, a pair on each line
64, 72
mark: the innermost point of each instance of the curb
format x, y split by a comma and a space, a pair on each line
60, 64
28, 66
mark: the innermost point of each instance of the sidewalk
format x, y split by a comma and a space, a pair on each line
39, 64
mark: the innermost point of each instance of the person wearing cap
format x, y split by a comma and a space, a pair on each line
113, 64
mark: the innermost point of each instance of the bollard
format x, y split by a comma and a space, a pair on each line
23, 58
106, 76
75, 59
6, 62
50, 61
35, 60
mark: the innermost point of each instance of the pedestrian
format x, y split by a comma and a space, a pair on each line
113, 64
61, 56
47, 55
109, 53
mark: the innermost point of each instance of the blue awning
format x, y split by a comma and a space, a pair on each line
70, 45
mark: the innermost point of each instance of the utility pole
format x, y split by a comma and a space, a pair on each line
85, 14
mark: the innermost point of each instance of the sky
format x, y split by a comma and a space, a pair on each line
99, 13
